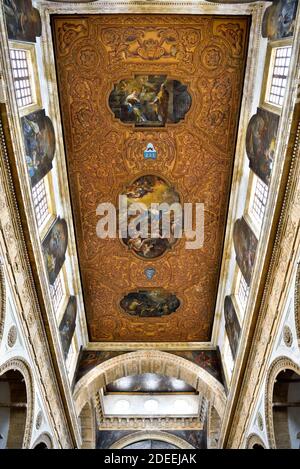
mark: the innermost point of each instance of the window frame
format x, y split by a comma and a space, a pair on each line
252, 221
33, 77
47, 223
268, 73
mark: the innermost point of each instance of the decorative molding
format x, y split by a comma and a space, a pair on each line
297, 302
19, 364
287, 336
39, 420
260, 421
280, 364
2, 279
254, 439
12, 336
163, 346
43, 438
151, 435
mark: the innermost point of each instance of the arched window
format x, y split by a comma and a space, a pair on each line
286, 410
13, 409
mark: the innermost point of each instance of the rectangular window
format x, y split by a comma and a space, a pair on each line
259, 200
40, 202
57, 292
243, 292
278, 73
20, 63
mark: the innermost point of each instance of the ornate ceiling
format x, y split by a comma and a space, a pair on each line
175, 82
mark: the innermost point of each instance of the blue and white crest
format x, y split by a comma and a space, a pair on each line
150, 153
150, 272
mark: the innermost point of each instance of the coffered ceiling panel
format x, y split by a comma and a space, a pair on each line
150, 107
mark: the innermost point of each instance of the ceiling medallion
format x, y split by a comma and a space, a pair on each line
150, 272
287, 336
12, 336
260, 422
39, 420
150, 153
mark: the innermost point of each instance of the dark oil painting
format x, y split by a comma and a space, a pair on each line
279, 19
150, 100
148, 190
150, 303
209, 360
245, 244
260, 143
23, 22
67, 325
232, 325
39, 139
54, 248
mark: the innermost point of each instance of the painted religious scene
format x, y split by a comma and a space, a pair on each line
23, 22
67, 325
260, 143
39, 139
150, 100
232, 326
245, 244
150, 303
54, 248
148, 190
279, 19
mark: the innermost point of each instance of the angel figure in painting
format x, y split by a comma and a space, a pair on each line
133, 104
160, 103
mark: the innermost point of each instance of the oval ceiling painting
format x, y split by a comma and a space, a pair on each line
150, 100
150, 191
150, 303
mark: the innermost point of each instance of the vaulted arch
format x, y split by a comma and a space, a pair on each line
151, 435
2, 301
151, 361
254, 442
19, 395
277, 428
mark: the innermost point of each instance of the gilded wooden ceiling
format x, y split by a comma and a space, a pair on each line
199, 61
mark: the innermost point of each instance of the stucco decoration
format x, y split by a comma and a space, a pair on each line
2, 300
151, 435
253, 440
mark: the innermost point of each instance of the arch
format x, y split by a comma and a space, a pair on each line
280, 364
20, 365
297, 302
2, 301
150, 361
151, 435
43, 441
253, 440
